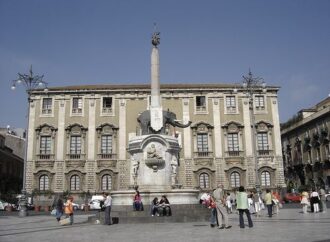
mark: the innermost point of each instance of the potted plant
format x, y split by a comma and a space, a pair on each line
36, 199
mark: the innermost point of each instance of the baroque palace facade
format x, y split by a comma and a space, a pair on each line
306, 152
78, 136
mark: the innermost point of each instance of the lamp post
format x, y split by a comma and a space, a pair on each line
251, 86
30, 82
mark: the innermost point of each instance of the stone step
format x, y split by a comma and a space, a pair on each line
180, 213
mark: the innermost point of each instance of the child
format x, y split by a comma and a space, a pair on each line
228, 203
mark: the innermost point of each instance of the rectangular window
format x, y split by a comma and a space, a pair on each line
202, 143
107, 105
106, 144
233, 144
263, 141
77, 105
75, 145
47, 106
259, 102
200, 103
231, 103
45, 145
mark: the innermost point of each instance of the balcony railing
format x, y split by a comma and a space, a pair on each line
76, 110
264, 152
45, 156
46, 111
106, 110
107, 156
203, 154
233, 153
75, 156
231, 109
200, 108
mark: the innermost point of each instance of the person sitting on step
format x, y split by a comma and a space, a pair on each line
164, 207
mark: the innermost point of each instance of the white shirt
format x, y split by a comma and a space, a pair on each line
108, 201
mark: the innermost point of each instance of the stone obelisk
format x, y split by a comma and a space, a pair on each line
156, 110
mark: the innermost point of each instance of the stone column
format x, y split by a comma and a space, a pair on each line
277, 144
60, 147
92, 145
249, 163
29, 156
122, 165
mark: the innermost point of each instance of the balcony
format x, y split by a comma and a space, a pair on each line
76, 110
46, 111
201, 154
45, 157
234, 157
107, 156
107, 110
201, 109
75, 156
265, 153
231, 109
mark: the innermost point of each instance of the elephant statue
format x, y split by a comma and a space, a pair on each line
168, 118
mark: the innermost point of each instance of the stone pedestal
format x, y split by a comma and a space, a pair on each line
154, 161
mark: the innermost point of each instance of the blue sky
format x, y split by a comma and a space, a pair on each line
73, 42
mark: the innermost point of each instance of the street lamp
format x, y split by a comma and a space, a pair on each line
30, 82
253, 85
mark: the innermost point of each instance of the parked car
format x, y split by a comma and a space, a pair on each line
4, 205
292, 197
76, 206
327, 196
95, 202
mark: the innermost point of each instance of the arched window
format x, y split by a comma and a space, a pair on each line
235, 179
106, 182
75, 183
204, 181
265, 178
44, 183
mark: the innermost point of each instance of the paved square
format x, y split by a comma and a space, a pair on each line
288, 225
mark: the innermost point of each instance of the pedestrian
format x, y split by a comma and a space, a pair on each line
59, 208
257, 203
315, 200
276, 202
107, 211
242, 207
137, 202
154, 207
68, 209
222, 214
213, 208
269, 203
164, 207
304, 201
323, 200
228, 203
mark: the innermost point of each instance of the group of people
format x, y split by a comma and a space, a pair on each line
66, 208
161, 207
221, 204
316, 200
158, 207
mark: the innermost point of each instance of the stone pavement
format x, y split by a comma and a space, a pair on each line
288, 225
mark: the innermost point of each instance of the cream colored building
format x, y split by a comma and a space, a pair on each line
306, 152
78, 136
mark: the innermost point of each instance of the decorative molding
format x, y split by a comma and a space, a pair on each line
75, 163
44, 164
106, 164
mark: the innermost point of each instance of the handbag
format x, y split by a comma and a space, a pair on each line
53, 212
65, 221
213, 204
